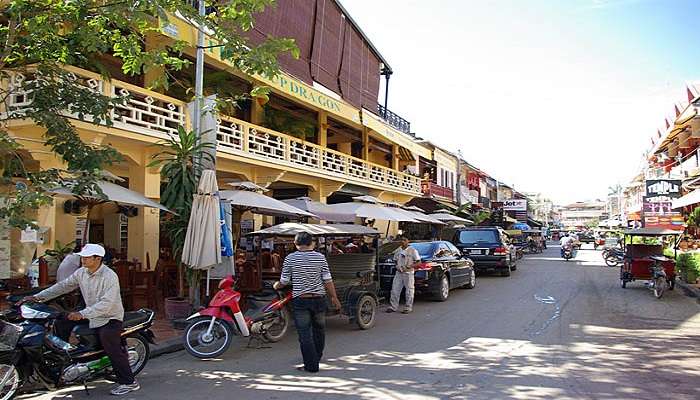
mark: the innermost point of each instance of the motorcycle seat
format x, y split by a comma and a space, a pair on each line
131, 319
265, 296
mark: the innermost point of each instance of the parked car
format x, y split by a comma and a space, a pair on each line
442, 268
488, 247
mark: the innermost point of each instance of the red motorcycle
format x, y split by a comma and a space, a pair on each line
211, 330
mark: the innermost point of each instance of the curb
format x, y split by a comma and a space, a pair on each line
167, 346
690, 291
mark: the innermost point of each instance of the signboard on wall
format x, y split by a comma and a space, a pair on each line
515, 205
656, 206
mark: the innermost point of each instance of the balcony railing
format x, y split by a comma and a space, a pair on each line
433, 189
243, 138
154, 114
394, 120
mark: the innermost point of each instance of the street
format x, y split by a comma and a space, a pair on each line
554, 329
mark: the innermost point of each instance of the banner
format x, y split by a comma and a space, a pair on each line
657, 211
515, 205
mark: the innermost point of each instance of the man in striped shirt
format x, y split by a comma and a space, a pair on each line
308, 273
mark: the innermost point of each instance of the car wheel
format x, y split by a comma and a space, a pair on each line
514, 267
472, 281
443, 291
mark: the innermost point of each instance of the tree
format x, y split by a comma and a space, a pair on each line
40, 37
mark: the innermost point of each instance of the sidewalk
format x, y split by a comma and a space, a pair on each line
168, 339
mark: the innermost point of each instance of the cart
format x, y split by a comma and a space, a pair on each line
352, 257
644, 259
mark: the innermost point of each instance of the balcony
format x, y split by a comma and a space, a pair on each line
156, 115
433, 189
394, 120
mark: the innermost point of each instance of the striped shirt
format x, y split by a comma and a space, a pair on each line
307, 271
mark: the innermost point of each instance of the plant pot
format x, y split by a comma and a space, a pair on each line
177, 307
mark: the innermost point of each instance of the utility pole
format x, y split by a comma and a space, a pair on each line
199, 76
459, 178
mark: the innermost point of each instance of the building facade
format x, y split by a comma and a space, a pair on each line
583, 214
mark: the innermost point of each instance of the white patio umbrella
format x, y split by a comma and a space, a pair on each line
319, 209
445, 217
372, 211
112, 193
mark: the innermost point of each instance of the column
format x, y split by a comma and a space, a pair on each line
395, 157
365, 143
323, 129
144, 229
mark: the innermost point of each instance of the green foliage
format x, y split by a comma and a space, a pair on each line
688, 265
481, 217
295, 125
593, 223
694, 217
38, 38
59, 250
181, 161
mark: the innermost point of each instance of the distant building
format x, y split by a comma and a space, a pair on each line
583, 213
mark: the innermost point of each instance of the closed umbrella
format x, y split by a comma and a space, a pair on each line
319, 209
202, 247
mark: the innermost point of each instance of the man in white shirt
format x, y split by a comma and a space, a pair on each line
70, 264
406, 258
566, 241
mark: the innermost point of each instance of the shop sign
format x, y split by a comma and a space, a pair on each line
473, 180
515, 205
670, 188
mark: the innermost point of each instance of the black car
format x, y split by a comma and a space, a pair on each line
488, 247
442, 268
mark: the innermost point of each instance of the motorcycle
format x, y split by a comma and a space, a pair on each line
614, 257
568, 252
31, 354
211, 330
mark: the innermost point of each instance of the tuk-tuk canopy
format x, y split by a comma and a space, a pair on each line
292, 228
651, 232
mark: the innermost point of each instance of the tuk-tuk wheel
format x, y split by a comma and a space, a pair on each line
366, 312
623, 283
672, 283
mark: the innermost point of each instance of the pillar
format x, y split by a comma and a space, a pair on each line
257, 112
395, 157
365, 143
61, 225
323, 129
144, 229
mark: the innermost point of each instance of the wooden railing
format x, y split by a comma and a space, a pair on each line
154, 114
239, 137
144, 111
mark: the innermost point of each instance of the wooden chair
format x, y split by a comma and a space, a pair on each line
145, 284
126, 272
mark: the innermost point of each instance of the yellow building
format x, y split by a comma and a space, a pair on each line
350, 151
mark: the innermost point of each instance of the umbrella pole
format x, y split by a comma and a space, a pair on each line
87, 226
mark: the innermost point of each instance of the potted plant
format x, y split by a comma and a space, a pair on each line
181, 162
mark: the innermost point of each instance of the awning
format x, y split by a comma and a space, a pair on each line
689, 199
406, 155
319, 209
291, 229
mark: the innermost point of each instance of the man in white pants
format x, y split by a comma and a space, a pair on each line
407, 258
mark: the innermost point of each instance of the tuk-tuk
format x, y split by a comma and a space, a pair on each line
351, 251
535, 241
644, 259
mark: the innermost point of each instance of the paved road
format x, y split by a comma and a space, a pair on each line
554, 329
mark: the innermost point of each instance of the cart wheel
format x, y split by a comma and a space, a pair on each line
366, 312
623, 283
659, 287
672, 283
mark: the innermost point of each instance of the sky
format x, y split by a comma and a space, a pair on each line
560, 97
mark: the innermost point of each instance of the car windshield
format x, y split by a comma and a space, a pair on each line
478, 236
425, 250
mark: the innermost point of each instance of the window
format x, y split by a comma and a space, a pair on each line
443, 251
478, 236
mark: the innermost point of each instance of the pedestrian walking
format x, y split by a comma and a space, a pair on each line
406, 258
308, 273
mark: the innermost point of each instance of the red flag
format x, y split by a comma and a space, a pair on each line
678, 112
667, 124
691, 96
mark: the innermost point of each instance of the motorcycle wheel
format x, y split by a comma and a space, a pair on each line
659, 287
201, 346
139, 352
13, 383
611, 261
276, 332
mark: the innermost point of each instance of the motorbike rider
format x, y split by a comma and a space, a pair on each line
566, 241
99, 286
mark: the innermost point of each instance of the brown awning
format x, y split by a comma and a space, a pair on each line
406, 155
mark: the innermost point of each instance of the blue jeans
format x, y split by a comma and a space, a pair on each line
310, 321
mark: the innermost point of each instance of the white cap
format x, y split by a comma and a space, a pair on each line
91, 249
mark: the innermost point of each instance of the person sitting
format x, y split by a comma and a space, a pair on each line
336, 249
351, 247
